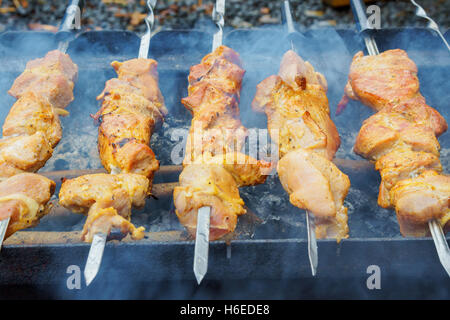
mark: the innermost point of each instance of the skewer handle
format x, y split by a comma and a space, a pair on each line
359, 13
286, 17
70, 23
420, 12
149, 21
72, 17
218, 16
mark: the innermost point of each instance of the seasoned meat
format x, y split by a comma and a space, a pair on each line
23, 153
214, 166
32, 128
51, 77
132, 106
208, 185
401, 138
24, 199
298, 119
30, 114
109, 198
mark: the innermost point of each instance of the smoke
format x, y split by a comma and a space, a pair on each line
126, 265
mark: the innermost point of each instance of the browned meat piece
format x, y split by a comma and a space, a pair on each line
246, 170
298, 117
31, 114
32, 128
132, 106
314, 183
30, 132
109, 198
52, 77
390, 80
214, 166
143, 75
103, 220
401, 138
208, 185
400, 164
24, 199
24, 153
421, 199
384, 132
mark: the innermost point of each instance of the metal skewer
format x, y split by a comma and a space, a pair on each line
201, 248
98, 244
71, 18
70, 22
310, 225
3, 227
420, 12
437, 233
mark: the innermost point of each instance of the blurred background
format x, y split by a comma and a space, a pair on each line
188, 14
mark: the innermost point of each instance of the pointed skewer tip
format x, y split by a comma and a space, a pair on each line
3, 227
312, 243
95, 257
202, 243
440, 242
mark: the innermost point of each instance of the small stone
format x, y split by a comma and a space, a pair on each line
268, 19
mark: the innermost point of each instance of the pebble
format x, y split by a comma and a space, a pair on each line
175, 14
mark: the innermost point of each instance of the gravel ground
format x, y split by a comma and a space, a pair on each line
187, 14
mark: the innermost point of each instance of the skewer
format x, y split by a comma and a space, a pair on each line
74, 8
420, 12
202, 243
204, 213
310, 225
169, 171
437, 233
72, 17
99, 241
3, 227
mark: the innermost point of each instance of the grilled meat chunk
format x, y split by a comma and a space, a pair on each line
32, 128
132, 106
298, 118
214, 166
24, 199
246, 170
103, 220
108, 198
23, 153
51, 77
314, 183
401, 138
213, 186
389, 80
421, 199
30, 114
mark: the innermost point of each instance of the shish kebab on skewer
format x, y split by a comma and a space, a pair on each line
401, 139
298, 117
32, 130
132, 105
207, 201
296, 105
